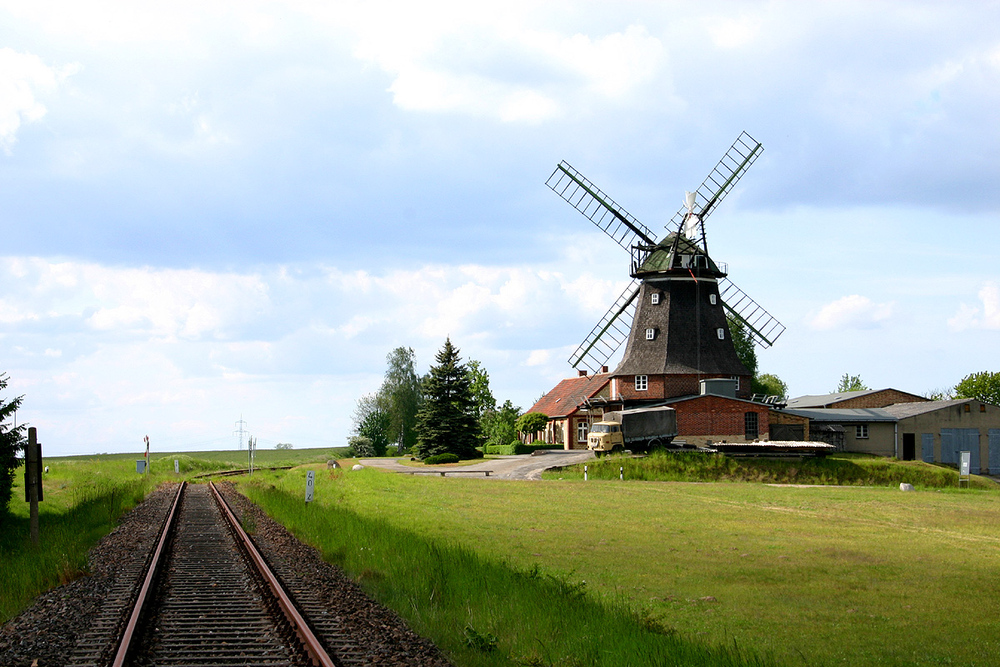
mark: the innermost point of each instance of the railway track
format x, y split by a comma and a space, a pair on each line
208, 597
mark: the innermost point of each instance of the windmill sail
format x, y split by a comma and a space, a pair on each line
719, 182
599, 208
761, 326
609, 334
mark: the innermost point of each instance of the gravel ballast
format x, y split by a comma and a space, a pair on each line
65, 618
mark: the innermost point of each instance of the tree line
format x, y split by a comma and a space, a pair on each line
450, 410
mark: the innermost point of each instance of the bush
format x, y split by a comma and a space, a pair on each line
446, 457
392, 451
360, 446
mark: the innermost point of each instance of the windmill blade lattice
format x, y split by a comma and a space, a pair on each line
609, 334
599, 208
719, 182
761, 326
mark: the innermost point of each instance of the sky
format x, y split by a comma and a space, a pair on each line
221, 210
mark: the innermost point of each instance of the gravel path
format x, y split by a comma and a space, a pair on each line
522, 466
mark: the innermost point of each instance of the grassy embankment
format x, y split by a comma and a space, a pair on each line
84, 496
840, 469
816, 576
476, 605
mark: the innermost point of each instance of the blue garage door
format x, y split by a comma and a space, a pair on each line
954, 440
994, 462
927, 447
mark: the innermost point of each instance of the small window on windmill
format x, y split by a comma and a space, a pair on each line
641, 382
655, 298
650, 334
737, 379
685, 261
712, 299
721, 333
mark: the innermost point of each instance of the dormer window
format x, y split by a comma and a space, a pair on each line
712, 299
650, 334
721, 333
655, 298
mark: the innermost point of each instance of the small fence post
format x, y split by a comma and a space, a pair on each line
585, 473
621, 473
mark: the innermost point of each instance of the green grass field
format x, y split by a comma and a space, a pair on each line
835, 575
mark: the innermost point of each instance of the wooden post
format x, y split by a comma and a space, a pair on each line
33, 481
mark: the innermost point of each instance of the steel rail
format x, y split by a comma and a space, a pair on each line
147, 584
312, 645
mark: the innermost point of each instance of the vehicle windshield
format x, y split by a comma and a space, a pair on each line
601, 428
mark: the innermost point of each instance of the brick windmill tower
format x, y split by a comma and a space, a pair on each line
674, 314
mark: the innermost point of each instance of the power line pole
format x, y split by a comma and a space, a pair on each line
241, 431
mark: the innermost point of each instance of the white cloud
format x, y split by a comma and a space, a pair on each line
984, 316
732, 33
23, 78
460, 58
136, 346
538, 358
851, 312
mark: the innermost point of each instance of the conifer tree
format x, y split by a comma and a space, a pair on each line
11, 444
447, 420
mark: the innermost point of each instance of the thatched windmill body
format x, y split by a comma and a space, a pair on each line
673, 315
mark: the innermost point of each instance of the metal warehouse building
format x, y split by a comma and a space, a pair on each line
933, 431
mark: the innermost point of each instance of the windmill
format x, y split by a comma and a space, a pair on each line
674, 313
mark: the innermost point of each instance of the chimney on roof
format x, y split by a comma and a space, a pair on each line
604, 369
583, 373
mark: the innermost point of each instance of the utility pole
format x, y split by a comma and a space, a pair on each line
251, 450
241, 431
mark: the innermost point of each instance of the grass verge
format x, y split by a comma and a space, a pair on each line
480, 610
818, 576
841, 470
70, 524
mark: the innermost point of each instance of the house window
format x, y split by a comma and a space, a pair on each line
582, 428
721, 333
982, 407
712, 299
737, 378
641, 382
968, 408
751, 426
650, 334
861, 431
655, 299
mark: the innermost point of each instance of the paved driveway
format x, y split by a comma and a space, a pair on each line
523, 466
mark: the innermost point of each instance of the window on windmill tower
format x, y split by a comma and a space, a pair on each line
721, 333
650, 334
655, 298
641, 382
712, 299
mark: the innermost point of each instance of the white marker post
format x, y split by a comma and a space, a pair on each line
585, 473
177, 467
310, 483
